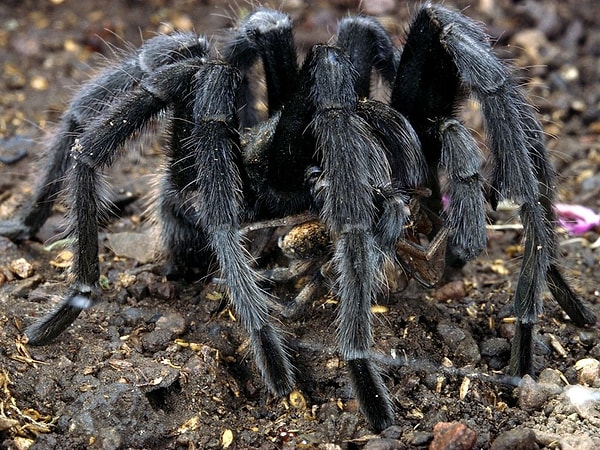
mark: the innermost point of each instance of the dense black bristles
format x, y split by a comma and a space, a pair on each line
372, 175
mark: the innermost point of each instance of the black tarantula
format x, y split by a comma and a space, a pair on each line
326, 147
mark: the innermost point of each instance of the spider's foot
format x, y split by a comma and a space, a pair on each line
54, 323
371, 393
521, 357
273, 361
569, 302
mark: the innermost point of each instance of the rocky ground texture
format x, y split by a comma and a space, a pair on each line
164, 364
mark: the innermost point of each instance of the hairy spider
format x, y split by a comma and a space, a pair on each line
326, 147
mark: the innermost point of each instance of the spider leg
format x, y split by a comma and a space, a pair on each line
85, 209
368, 46
428, 91
462, 161
95, 149
93, 98
545, 174
85, 106
265, 34
216, 146
353, 162
521, 172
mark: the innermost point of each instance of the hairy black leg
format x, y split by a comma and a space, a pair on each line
95, 149
462, 160
528, 303
265, 34
353, 162
87, 204
94, 97
369, 47
400, 142
521, 171
36, 210
513, 175
463, 48
216, 146
428, 90
558, 286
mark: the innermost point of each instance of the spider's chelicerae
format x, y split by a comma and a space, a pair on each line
326, 147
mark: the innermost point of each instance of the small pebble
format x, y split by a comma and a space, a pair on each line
393, 432
464, 346
455, 290
452, 436
585, 401
550, 382
167, 328
39, 83
495, 347
21, 268
531, 395
136, 246
515, 439
550, 376
587, 337
580, 441
588, 371
420, 438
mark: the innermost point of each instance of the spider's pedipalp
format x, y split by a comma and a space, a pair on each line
462, 160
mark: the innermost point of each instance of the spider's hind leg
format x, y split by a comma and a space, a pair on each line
521, 171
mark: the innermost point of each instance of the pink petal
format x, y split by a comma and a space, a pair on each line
576, 219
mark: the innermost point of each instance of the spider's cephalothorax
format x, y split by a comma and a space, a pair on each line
325, 147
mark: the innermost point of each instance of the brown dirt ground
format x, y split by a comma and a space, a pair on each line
164, 364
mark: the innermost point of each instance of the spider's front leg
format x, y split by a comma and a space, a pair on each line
220, 183
87, 106
95, 149
356, 169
